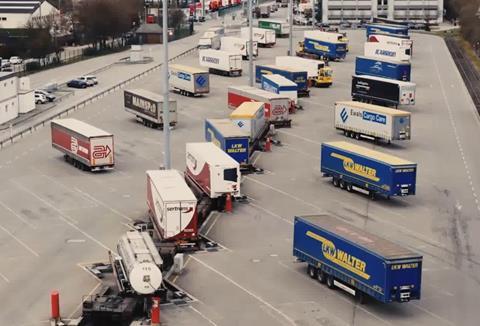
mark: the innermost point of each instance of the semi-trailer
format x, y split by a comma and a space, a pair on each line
383, 68
264, 37
277, 107
400, 42
230, 138
386, 51
189, 81
354, 167
318, 73
386, 28
83, 145
221, 62
209, 40
362, 120
148, 107
212, 173
320, 45
280, 85
172, 206
382, 91
250, 117
356, 261
298, 76
238, 45
281, 28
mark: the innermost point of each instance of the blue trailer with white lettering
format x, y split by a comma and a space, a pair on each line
383, 68
356, 261
299, 77
354, 167
229, 137
391, 29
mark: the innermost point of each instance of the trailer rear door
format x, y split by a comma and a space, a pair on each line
102, 151
174, 219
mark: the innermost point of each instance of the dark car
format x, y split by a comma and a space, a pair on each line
75, 83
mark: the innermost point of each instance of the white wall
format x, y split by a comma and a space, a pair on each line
19, 20
26, 101
8, 88
8, 109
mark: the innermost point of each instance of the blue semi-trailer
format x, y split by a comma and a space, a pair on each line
354, 167
317, 48
383, 68
229, 137
299, 77
387, 28
358, 262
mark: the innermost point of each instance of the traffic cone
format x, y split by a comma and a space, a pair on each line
268, 145
228, 204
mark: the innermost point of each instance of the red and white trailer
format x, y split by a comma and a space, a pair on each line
212, 171
172, 206
277, 107
84, 146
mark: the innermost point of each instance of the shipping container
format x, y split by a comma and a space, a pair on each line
83, 145
171, 205
383, 68
318, 73
382, 91
354, 167
148, 107
189, 80
280, 85
298, 76
281, 28
356, 261
386, 28
277, 107
229, 137
386, 51
362, 120
221, 62
264, 37
250, 117
238, 45
212, 171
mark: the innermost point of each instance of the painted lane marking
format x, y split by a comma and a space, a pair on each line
253, 295
17, 215
4, 278
211, 322
299, 137
23, 244
95, 200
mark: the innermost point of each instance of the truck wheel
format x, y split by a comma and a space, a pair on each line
342, 184
349, 187
312, 271
352, 134
335, 182
357, 136
321, 276
330, 282
360, 296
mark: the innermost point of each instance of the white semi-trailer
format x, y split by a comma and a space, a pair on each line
238, 45
221, 62
264, 37
188, 80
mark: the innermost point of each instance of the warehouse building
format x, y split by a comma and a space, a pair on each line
16, 13
334, 11
16, 96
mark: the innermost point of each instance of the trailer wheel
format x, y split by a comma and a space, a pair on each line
335, 182
321, 276
357, 136
330, 282
342, 184
360, 296
349, 187
312, 271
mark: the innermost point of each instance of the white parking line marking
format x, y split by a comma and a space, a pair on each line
23, 244
211, 322
253, 295
95, 200
299, 137
446, 321
4, 278
270, 212
17, 215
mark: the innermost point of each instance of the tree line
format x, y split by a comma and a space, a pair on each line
468, 15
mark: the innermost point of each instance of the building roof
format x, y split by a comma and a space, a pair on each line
20, 6
149, 29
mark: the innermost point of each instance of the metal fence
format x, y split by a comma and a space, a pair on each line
29, 129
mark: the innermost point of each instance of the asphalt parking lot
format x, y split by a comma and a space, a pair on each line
54, 217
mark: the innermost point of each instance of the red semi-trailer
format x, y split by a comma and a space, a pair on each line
83, 145
277, 107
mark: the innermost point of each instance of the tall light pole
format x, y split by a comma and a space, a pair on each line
250, 44
166, 106
290, 21
313, 14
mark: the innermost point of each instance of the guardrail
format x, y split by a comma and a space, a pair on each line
29, 129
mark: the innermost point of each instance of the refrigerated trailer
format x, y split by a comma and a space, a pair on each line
172, 206
281, 28
354, 167
386, 51
362, 120
239, 46
298, 76
229, 137
148, 107
383, 68
382, 91
280, 85
188, 80
392, 40
359, 262
83, 145
264, 37
221, 62
387, 28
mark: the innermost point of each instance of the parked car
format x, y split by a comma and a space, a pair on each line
40, 98
88, 81
50, 97
92, 78
77, 83
15, 60
5, 65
